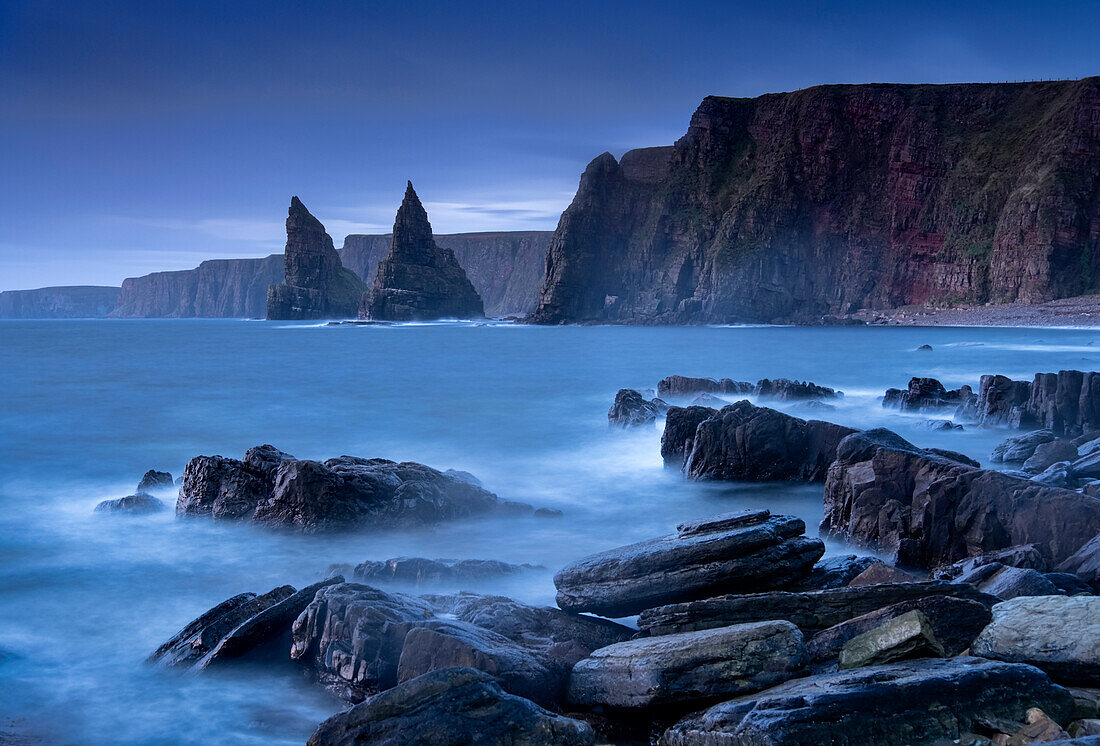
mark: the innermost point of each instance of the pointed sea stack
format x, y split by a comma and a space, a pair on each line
419, 280
317, 286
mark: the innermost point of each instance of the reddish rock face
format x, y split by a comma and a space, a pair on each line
837, 198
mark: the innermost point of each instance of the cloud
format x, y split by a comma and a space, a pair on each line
267, 234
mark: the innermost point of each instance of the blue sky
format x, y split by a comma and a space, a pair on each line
139, 136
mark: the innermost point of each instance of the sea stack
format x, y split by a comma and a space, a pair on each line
316, 284
418, 280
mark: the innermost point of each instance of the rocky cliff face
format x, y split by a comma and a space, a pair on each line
837, 198
217, 288
72, 302
418, 279
317, 285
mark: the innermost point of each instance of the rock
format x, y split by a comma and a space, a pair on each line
999, 401
1088, 442
155, 480
905, 636
1056, 475
418, 280
1086, 702
421, 571
1024, 556
1087, 467
886, 705
745, 551
450, 706
880, 572
955, 622
316, 285
709, 400
924, 395
137, 504
1066, 402
1050, 453
953, 456
202, 635
1038, 727
924, 348
679, 434
784, 389
1080, 741
923, 510
1085, 563
1083, 728
272, 488
65, 302
944, 425
1008, 582
750, 443
631, 409
1019, 448
547, 513
1059, 634
833, 572
684, 386
1068, 584
689, 667
810, 611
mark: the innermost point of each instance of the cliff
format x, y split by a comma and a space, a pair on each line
71, 302
837, 198
418, 280
316, 284
217, 288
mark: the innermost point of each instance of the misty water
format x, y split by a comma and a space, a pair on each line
88, 406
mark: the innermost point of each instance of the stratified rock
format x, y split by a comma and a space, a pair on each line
1050, 453
679, 434
1085, 563
1024, 556
746, 551
745, 442
694, 666
418, 280
785, 389
631, 409
833, 572
65, 302
421, 571
999, 401
1066, 402
924, 395
924, 510
155, 480
316, 285
1057, 475
450, 706
1059, 634
1020, 448
810, 611
684, 386
890, 705
137, 504
273, 488
908, 635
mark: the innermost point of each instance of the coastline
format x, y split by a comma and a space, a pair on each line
1079, 311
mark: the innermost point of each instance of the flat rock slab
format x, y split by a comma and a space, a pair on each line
1058, 634
693, 666
739, 552
900, 704
810, 611
909, 635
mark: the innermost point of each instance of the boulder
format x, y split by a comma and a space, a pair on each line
679, 434
1019, 448
689, 667
905, 636
421, 571
683, 386
899, 704
631, 409
450, 706
1008, 582
924, 395
955, 622
137, 504
1087, 467
154, 480
811, 611
1057, 475
1068, 584
924, 510
1024, 556
749, 443
1085, 563
743, 551
1049, 453
833, 572
880, 572
1059, 634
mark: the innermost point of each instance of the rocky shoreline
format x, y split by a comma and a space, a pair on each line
1081, 310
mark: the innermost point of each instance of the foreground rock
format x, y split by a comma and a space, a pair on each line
631, 409
1057, 634
746, 442
136, 504
744, 551
418, 280
811, 611
925, 395
907, 635
925, 510
889, 705
273, 488
450, 706
694, 666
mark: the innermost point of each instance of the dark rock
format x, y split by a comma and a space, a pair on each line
450, 706
1008, 582
745, 442
1087, 467
1066, 402
418, 280
691, 667
155, 480
955, 622
1056, 475
810, 611
547, 513
316, 285
1059, 634
631, 409
421, 571
944, 425
924, 510
924, 348
833, 572
139, 504
683, 386
954, 456
924, 395
878, 573
1068, 584
1024, 556
702, 560
1020, 448
1085, 563
1048, 454
999, 401
679, 434
709, 400
905, 636
890, 705
784, 389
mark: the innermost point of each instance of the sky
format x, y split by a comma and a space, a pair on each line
144, 136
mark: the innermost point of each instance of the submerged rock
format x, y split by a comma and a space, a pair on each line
631, 409
136, 504
421, 571
924, 395
683, 386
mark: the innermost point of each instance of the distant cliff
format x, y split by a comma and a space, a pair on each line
217, 288
68, 302
836, 198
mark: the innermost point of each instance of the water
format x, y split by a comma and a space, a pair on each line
88, 406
